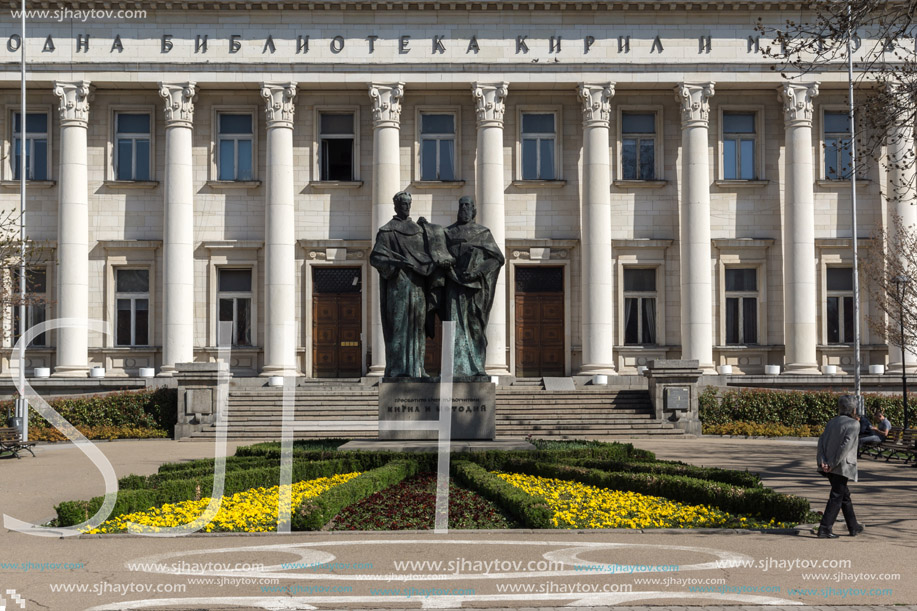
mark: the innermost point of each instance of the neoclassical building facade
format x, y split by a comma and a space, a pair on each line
217, 172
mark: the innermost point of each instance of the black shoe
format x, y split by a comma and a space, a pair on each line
856, 530
824, 533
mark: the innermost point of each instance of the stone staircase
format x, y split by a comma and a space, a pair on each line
257, 413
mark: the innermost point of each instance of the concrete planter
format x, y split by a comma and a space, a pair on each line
275, 381
600, 379
42, 372
725, 370
877, 370
147, 372
772, 370
97, 372
829, 370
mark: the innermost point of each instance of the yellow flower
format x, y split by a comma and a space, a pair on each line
253, 510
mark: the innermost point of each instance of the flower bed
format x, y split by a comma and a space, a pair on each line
254, 510
411, 505
577, 505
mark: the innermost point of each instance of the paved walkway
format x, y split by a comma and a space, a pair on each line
488, 570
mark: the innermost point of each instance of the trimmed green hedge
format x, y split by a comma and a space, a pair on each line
529, 510
177, 490
761, 502
743, 479
793, 408
197, 469
314, 513
148, 408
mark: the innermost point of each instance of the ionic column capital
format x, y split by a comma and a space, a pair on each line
798, 107
386, 100
489, 103
180, 98
279, 104
596, 99
695, 103
74, 103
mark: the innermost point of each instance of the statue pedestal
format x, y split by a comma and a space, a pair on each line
473, 408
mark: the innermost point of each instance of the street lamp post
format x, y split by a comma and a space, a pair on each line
901, 283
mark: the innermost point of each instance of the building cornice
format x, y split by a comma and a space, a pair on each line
437, 5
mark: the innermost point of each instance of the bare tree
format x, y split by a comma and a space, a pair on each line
892, 255
12, 255
882, 36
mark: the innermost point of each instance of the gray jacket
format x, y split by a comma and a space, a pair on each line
837, 446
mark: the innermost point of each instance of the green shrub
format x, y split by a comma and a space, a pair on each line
742, 479
138, 409
528, 510
761, 502
49, 433
757, 429
314, 513
177, 490
719, 406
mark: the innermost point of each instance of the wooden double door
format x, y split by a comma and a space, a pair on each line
337, 322
540, 348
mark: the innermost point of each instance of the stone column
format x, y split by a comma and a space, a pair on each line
799, 286
279, 240
489, 102
73, 229
694, 232
178, 228
595, 232
902, 192
386, 101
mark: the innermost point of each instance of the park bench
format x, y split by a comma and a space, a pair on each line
909, 445
899, 443
11, 441
878, 449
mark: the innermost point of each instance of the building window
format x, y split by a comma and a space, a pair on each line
539, 145
36, 146
132, 302
741, 306
36, 297
639, 306
638, 146
437, 146
234, 299
837, 145
336, 147
840, 305
132, 146
739, 146
234, 152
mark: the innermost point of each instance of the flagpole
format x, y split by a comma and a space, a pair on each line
23, 143
853, 214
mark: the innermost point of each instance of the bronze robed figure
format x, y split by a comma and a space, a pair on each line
426, 271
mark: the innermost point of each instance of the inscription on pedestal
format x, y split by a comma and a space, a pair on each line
473, 409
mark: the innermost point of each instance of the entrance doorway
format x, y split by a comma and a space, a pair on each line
540, 346
337, 322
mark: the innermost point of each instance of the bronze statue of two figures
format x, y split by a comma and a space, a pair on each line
428, 270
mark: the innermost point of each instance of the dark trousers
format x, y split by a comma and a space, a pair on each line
838, 500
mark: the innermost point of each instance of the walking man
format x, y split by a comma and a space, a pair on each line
837, 460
